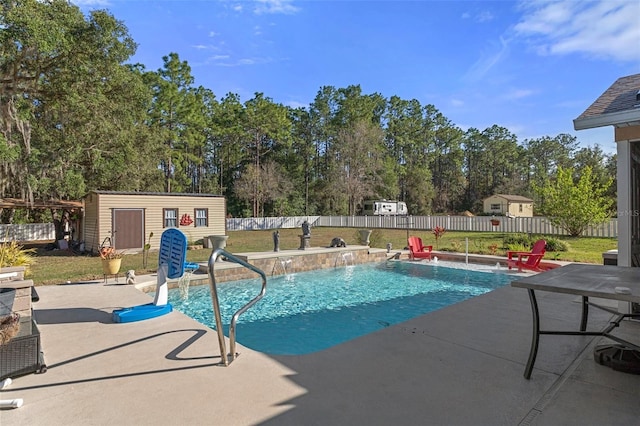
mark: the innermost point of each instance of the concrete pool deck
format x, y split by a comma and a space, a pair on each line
460, 365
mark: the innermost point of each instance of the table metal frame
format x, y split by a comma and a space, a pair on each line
606, 332
570, 280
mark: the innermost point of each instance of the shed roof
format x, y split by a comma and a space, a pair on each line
619, 106
514, 198
171, 194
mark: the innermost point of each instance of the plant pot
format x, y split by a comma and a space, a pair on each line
111, 266
218, 242
365, 234
495, 222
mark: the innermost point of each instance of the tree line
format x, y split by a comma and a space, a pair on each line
76, 115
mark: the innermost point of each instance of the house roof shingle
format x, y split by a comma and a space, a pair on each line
618, 105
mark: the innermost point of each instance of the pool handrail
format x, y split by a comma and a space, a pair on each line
227, 359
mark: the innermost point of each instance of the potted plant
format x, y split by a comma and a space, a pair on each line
111, 260
494, 221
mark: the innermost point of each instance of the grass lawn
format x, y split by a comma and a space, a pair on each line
56, 266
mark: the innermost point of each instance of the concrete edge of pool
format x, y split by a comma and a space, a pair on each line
460, 365
314, 258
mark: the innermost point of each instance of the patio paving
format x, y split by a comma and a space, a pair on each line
460, 365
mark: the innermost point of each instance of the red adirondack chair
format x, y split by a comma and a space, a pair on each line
417, 250
527, 260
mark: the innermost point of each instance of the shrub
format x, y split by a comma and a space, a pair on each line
517, 247
518, 239
438, 232
376, 239
13, 254
554, 244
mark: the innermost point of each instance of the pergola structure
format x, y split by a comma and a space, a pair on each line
14, 203
619, 106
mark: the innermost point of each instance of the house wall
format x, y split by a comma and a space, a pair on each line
628, 133
99, 207
527, 209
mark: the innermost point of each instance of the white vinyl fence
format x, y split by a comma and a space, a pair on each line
528, 225
265, 223
27, 232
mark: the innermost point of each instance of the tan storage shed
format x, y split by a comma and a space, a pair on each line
128, 218
508, 205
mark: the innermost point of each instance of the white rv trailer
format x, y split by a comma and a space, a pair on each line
384, 208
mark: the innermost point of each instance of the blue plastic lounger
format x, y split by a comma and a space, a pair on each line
171, 264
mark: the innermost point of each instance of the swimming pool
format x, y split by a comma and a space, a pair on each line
310, 311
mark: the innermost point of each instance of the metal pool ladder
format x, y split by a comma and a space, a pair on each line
227, 359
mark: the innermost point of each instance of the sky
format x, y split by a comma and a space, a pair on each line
529, 66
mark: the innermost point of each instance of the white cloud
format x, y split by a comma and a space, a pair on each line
488, 61
518, 94
601, 29
275, 6
484, 17
227, 61
207, 46
481, 17
457, 103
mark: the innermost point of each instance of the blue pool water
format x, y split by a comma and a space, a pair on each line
310, 311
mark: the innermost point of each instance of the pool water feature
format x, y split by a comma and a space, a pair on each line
311, 311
